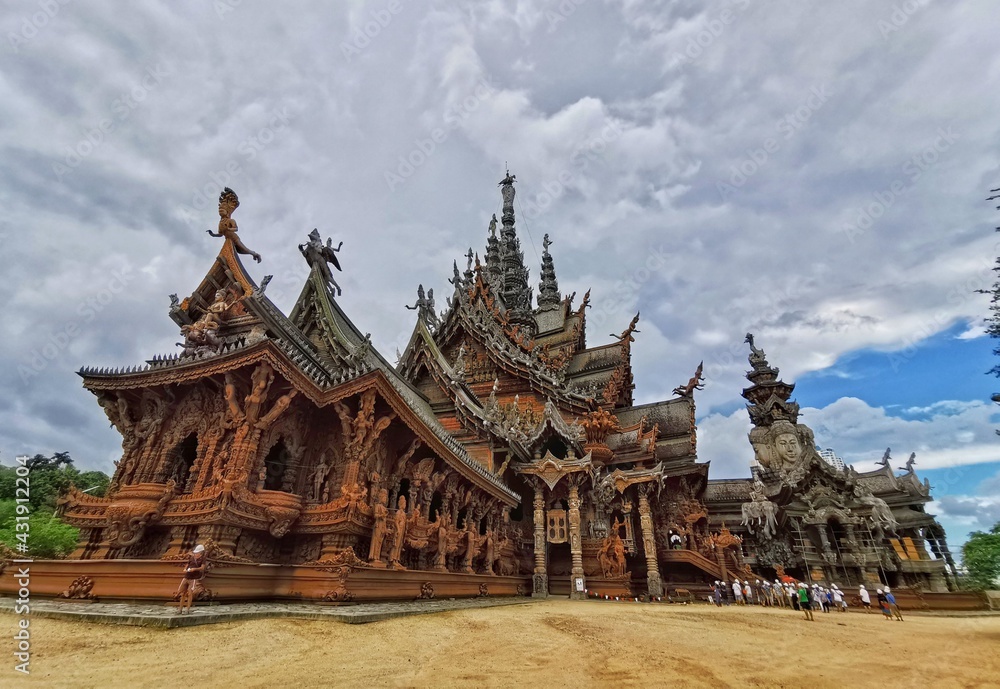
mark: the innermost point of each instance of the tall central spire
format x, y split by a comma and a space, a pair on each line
515, 290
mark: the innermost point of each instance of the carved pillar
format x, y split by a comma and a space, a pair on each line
575, 541
540, 580
629, 533
653, 581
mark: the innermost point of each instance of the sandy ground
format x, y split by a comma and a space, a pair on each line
547, 644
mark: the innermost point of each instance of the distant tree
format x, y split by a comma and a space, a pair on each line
993, 322
44, 533
981, 557
48, 477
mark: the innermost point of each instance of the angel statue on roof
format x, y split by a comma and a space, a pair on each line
228, 203
319, 254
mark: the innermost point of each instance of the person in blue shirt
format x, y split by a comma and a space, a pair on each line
893, 608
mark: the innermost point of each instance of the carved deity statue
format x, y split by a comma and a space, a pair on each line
399, 533
611, 556
202, 336
786, 445
424, 306
319, 478
319, 255
379, 529
493, 225
228, 203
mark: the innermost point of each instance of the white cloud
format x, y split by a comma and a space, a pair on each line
948, 434
773, 257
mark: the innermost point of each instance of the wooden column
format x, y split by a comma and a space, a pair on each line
540, 581
575, 541
653, 581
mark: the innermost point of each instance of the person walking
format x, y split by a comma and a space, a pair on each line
747, 592
816, 598
804, 601
717, 595
866, 599
194, 572
793, 597
883, 604
738, 592
838, 598
891, 603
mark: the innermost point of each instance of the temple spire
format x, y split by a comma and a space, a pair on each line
494, 266
515, 291
548, 288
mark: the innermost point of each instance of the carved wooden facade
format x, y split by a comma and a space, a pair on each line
501, 455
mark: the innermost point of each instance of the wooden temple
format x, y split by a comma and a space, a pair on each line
502, 455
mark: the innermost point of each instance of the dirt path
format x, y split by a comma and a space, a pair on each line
549, 644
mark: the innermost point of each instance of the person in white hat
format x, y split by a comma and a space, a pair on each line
866, 598
838, 597
194, 572
747, 592
738, 592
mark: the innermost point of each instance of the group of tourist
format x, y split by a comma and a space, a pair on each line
800, 596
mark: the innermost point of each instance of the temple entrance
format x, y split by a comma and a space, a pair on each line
275, 465
182, 460
560, 566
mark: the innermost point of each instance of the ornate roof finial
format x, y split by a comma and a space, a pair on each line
318, 255
425, 307
514, 287
228, 203
548, 288
695, 383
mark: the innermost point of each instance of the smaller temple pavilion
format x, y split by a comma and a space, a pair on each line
501, 455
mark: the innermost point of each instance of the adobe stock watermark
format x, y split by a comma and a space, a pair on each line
32, 24
423, 148
709, 32
787, 126
625, 292
377, 22
865, 217
961, 292
563, 11
122, 108
61, 338
579, 161
206, 194
900, 15
777, 305
224, 7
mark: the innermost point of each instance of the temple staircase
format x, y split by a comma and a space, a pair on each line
694, 558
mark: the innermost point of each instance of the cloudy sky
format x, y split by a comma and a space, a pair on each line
813, 172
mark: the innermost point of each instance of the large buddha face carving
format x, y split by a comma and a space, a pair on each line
788, 448
786, 445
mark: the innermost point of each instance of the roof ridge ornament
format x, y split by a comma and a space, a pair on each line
318, 255
228, 203
548, 288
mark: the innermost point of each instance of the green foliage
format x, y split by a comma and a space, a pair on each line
48, 477
981, 557
44, 533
